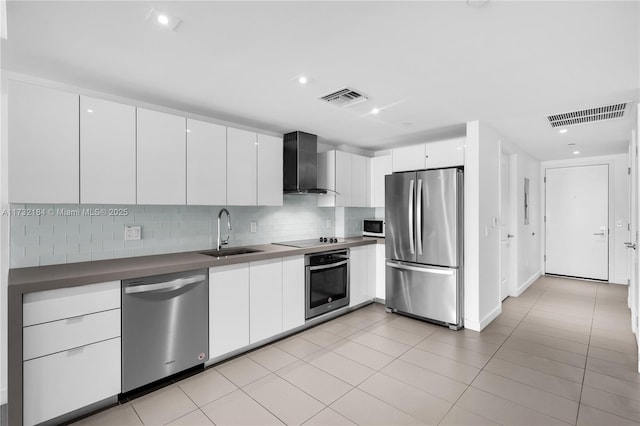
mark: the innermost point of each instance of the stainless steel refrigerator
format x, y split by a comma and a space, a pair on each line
424, 242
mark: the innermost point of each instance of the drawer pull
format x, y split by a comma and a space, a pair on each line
75, 320
75, 351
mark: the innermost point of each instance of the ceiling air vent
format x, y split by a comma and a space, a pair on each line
344, 97
607, 112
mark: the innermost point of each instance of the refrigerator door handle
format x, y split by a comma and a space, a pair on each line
419, 218
412, 248
420, 269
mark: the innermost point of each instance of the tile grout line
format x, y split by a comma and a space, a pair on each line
492, 356
586, 359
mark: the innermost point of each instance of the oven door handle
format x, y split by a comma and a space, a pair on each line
331, 265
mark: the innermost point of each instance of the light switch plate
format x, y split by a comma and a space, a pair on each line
132, 233
328, 223
254, 226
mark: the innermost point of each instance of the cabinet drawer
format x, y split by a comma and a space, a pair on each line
44, 339
63, 382
52, 305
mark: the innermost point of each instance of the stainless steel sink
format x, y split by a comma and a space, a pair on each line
229, 252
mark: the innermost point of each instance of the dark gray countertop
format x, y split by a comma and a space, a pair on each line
39, 278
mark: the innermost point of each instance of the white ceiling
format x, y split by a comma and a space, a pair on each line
433, 64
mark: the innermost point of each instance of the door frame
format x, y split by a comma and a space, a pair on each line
633, 298
513, 218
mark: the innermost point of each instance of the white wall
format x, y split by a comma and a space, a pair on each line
4, 238
526, 259
618, 208
482, 232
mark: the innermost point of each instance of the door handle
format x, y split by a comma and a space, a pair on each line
425, 270
410, 224
419, 218
599, 233
630, 245
510, 236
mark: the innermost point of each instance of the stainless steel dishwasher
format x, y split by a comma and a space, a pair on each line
165, 326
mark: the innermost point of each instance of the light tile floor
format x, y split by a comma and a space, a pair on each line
561, 353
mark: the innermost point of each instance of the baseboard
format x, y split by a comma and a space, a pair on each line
472, 325
491, 316
378, 300
521, 289
479, 325
621, 282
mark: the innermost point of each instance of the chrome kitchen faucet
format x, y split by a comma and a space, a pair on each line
226, 240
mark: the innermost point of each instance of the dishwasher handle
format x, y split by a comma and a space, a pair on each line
176, 284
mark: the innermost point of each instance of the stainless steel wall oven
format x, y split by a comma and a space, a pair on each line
327, 282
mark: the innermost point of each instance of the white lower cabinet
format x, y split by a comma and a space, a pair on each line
71, 349
361, 276
228, 308
51, 337
250, 302
265, 299
65, 381
380, 268
292, 292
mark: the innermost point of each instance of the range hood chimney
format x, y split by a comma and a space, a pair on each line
300, 163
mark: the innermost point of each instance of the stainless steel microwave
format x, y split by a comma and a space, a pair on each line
373, 227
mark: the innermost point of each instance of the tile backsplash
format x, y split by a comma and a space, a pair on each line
54, 234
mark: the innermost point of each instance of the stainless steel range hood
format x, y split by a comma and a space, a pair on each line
300, 160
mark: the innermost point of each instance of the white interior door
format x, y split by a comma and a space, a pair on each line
577, 218
505, 226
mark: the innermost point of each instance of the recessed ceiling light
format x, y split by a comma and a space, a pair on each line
562, 131
89, 111
375, 111
576, 152
164, 19
303, 79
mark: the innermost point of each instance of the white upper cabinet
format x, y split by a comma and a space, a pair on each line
327, 178
348, 175
359, 181
44, 145
343, 179
447, 153
107, 152
269, 170
241, 167
161, 158
206, 163
380, 167
408, 158
432, 155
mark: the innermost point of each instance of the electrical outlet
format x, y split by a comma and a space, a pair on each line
328, 223
254, 226
132, 233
